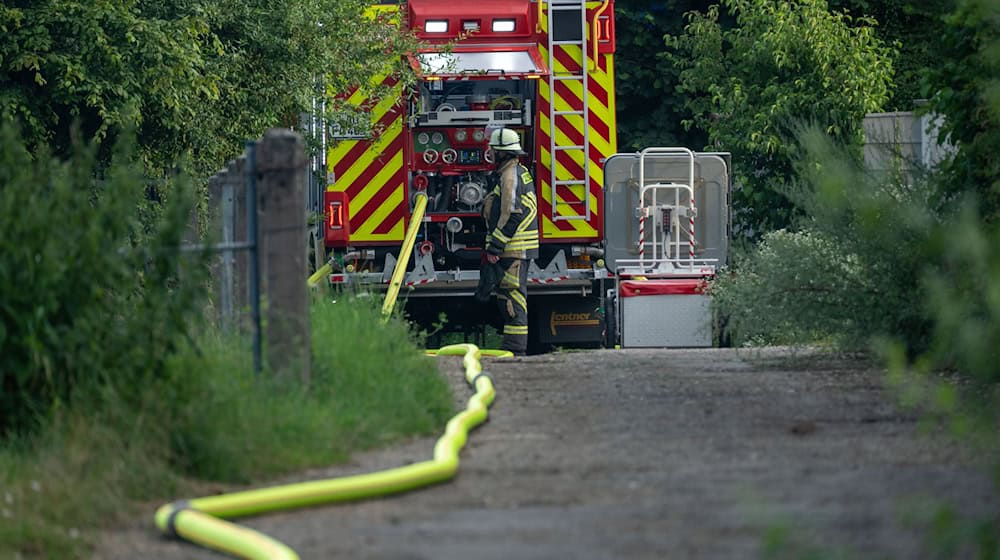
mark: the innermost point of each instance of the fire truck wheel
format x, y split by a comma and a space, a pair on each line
610, 324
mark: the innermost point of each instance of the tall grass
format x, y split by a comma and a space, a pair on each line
371, 385
209, 418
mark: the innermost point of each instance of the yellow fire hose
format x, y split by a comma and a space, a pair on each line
314, 280
200, 520
416, 219
404, 256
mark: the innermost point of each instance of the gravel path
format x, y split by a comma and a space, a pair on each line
685, 454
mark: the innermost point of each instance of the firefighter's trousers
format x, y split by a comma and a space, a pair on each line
513, 300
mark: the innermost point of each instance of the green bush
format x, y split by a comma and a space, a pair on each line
92, 294
962, 297
851, 271
955, 383
963, 87
791, 289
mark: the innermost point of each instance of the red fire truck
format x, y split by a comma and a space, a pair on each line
544, 69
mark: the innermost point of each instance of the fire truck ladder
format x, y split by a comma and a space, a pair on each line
556, 117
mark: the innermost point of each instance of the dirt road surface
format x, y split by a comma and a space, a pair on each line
684, 454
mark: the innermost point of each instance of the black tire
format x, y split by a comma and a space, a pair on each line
610, 323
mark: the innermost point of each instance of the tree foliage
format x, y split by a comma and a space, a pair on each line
649, 106
92, 297
909, 26
783, 63
965, 89
194, 77
102, 65
650, 109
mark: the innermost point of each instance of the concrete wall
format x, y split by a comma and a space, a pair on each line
902, 140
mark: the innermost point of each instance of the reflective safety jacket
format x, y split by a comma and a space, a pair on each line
511, 213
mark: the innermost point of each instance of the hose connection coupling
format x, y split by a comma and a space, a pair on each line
175, 509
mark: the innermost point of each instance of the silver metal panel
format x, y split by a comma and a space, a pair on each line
621, 199
509, 62
674, 321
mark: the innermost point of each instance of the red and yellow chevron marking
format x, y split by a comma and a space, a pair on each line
569, 165
372, 174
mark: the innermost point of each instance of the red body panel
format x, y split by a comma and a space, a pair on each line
671, 287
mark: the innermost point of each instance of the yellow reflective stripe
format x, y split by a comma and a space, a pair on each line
520, 241
528, 237
526, 240
532, 207
526, 222
515, 329
498, 235
526, 231
519, 300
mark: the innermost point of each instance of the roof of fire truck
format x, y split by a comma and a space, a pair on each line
482, 21
498, 39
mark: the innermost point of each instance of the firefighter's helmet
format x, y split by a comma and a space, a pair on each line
505, 140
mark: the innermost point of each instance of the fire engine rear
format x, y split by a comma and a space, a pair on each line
543, 69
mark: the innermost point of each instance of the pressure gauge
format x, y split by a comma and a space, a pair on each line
461, 135
437, 138
423, 138
479, 135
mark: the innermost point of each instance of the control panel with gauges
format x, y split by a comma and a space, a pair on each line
448, 157
451, 150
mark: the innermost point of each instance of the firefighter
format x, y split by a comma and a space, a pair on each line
511, 214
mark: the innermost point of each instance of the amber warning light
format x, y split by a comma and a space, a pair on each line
336, 215
338, 229
604, 29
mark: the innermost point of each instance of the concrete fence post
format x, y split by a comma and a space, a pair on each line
281, 165
236, 182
